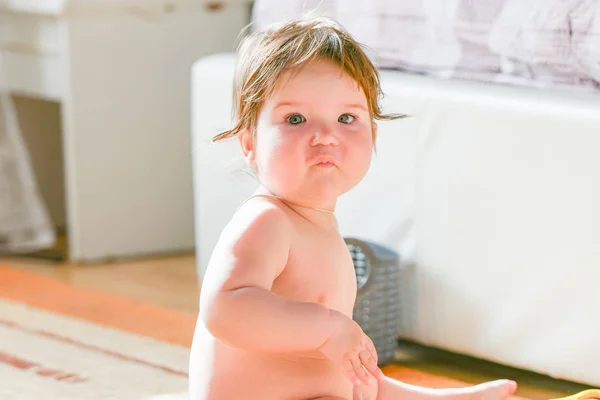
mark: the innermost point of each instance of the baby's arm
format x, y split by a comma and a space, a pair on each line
238, 306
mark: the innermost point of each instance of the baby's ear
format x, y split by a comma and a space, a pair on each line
247, 145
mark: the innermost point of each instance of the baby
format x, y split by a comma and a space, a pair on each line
275, 320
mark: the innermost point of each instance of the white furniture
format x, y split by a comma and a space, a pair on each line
120, 71
490, 193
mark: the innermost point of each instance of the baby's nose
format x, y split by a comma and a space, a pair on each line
325, 136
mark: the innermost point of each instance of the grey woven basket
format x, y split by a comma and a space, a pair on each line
377, 309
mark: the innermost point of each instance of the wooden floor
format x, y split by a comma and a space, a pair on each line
172, 282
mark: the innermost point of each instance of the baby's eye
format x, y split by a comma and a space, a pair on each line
296, 119
346, 118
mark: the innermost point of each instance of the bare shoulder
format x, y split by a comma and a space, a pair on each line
258, 237
259, 219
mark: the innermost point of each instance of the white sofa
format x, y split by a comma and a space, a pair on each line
491, 193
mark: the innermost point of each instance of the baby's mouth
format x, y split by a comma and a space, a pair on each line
324, 162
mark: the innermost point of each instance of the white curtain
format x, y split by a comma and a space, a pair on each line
25, 223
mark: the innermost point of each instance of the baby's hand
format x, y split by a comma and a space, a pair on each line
350, 348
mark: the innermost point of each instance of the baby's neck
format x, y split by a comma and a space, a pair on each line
323, 216
322, 210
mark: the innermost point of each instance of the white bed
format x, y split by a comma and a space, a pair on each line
489, 192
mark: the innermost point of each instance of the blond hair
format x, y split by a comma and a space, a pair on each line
264, 55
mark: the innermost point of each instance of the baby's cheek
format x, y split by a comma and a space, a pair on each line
360, 156
285, 166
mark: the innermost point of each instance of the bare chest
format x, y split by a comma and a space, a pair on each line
319, 270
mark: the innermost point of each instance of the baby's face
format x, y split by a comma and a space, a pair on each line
314, 136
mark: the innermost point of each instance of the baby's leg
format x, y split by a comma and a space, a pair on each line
390, 389
330, 398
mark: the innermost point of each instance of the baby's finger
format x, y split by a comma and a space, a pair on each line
359, 371
377, 371
371, 347
369, 363
351, 373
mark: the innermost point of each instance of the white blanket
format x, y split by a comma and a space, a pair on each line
534, 43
